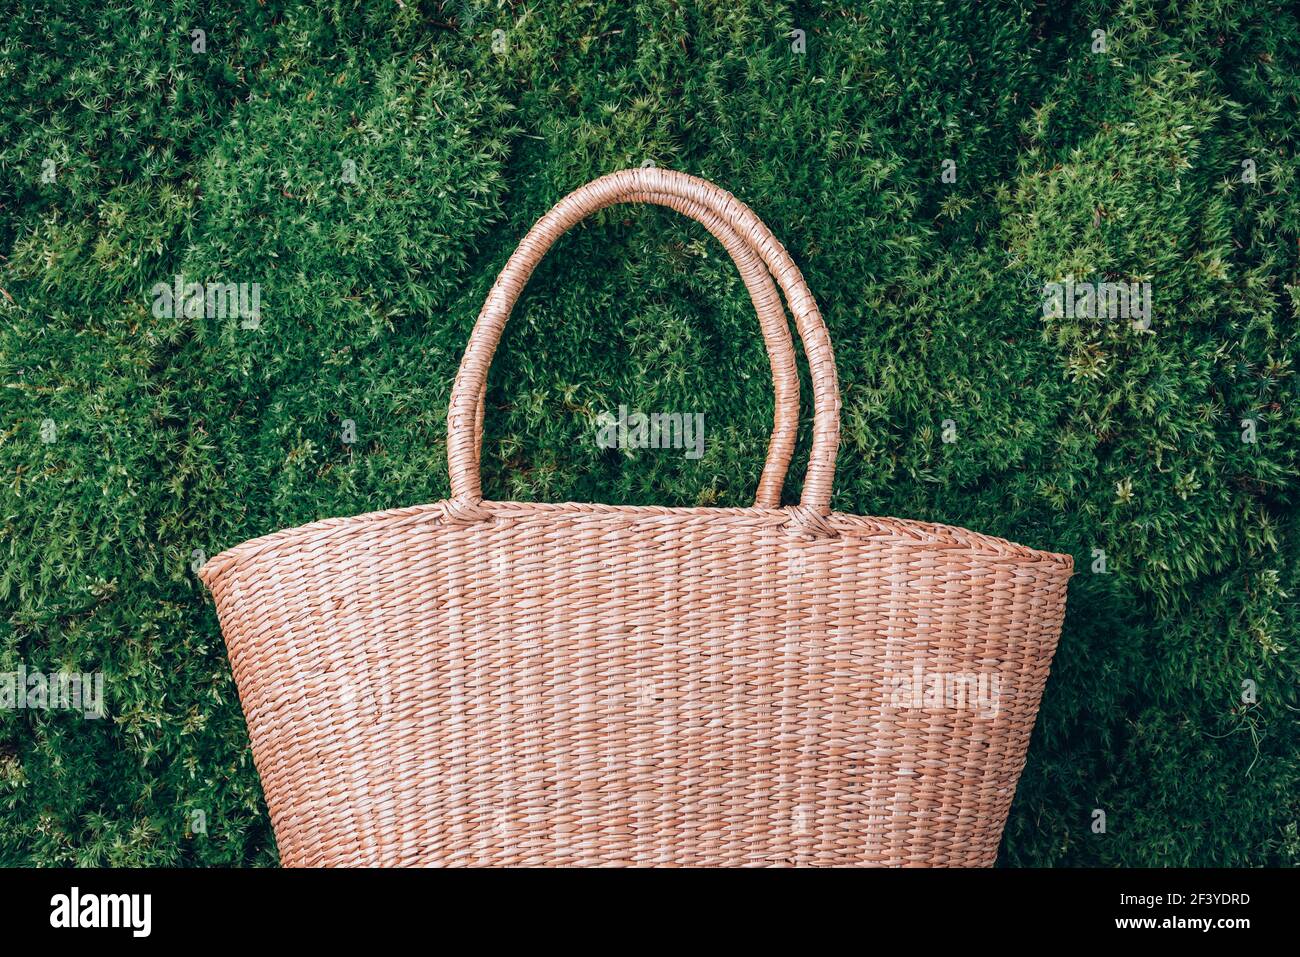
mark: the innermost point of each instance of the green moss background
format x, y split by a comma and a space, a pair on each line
180, 437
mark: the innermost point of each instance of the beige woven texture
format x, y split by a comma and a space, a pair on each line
503, 683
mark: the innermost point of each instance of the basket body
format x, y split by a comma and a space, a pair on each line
598, 685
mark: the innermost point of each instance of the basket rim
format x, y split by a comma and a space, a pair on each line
926, 535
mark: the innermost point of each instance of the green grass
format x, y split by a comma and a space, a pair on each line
177, 436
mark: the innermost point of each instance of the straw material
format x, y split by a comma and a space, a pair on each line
504, 683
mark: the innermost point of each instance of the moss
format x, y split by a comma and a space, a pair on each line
371, 167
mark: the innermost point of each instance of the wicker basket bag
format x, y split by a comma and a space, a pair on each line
506, 683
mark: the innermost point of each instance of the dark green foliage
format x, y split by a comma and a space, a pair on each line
179, 436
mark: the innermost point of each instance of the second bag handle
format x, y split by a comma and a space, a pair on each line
744, 235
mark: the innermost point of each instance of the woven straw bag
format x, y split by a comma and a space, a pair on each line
507, 683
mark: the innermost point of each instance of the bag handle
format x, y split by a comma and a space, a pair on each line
744, 235
776, 334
